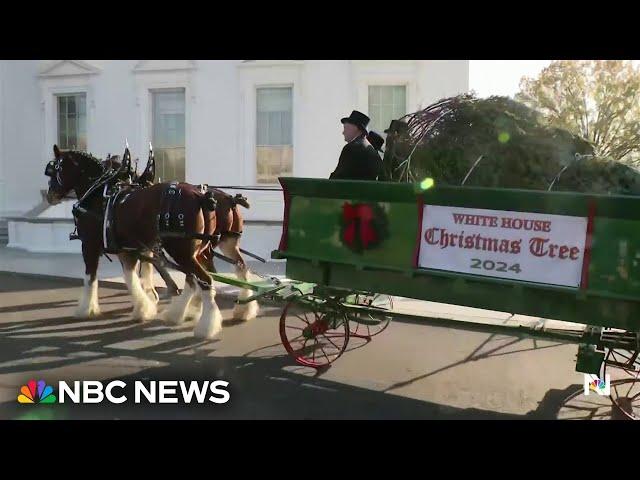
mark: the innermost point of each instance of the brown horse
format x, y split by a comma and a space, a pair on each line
137, 230
229, 228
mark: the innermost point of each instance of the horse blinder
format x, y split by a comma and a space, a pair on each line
50, 169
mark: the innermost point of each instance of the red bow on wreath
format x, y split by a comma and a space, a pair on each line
363, 215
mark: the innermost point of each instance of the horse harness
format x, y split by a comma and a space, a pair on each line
171, 220
115, 185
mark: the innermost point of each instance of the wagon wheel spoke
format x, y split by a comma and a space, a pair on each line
325, 354
600, 415
616, 354
612, 353
368, 328
303, 319
631, 385
588, 402
337, 348
619, 352
357, 325
296, 338
578, 407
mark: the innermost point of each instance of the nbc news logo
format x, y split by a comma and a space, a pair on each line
93, 391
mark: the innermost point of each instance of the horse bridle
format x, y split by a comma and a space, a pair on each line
54, 167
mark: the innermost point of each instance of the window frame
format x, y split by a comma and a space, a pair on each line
49, 105
148, 81
292, 145
151, 128
252, 76
368, 73
382, 128
57, 117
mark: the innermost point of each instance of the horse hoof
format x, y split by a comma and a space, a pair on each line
246, 312
153, 295
173, 320
172, 317
87, 312
208, 328
194, 311
145, 311
205, 332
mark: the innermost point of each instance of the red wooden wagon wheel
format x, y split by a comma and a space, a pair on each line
623, 402
369, 323
313, 331
623, 367
577, 406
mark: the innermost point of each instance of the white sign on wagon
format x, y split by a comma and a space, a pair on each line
534, 247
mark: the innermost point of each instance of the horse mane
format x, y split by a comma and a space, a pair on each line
112, 162
88, 157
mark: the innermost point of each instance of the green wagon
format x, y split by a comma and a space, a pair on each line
351, 246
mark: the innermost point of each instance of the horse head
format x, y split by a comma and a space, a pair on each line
70, 170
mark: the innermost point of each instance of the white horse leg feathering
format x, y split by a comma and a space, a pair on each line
144, 309
177, 310
146, 278
88, 306
247, 311
210, 322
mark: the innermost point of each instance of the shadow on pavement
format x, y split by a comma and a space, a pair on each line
260, 387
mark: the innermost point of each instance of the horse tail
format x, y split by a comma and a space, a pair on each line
208, 202
240, 199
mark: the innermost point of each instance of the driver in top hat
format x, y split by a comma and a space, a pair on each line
358, 160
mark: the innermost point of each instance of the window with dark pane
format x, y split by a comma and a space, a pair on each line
274, 135
72, 121
168, 126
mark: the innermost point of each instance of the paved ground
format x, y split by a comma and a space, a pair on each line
410, 371
71, 265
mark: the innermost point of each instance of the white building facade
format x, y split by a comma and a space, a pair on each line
220, 122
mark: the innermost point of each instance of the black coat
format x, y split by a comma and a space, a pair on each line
358, 161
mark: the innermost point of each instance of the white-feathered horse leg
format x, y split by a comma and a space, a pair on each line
146, 279
248, 311
143, 308
177, 310
210, 322
88, 306
194, 310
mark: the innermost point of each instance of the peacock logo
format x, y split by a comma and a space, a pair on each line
597, 385
594, 384
38, 392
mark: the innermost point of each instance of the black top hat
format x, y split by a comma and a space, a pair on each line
397, 126
358, 119
376, 140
